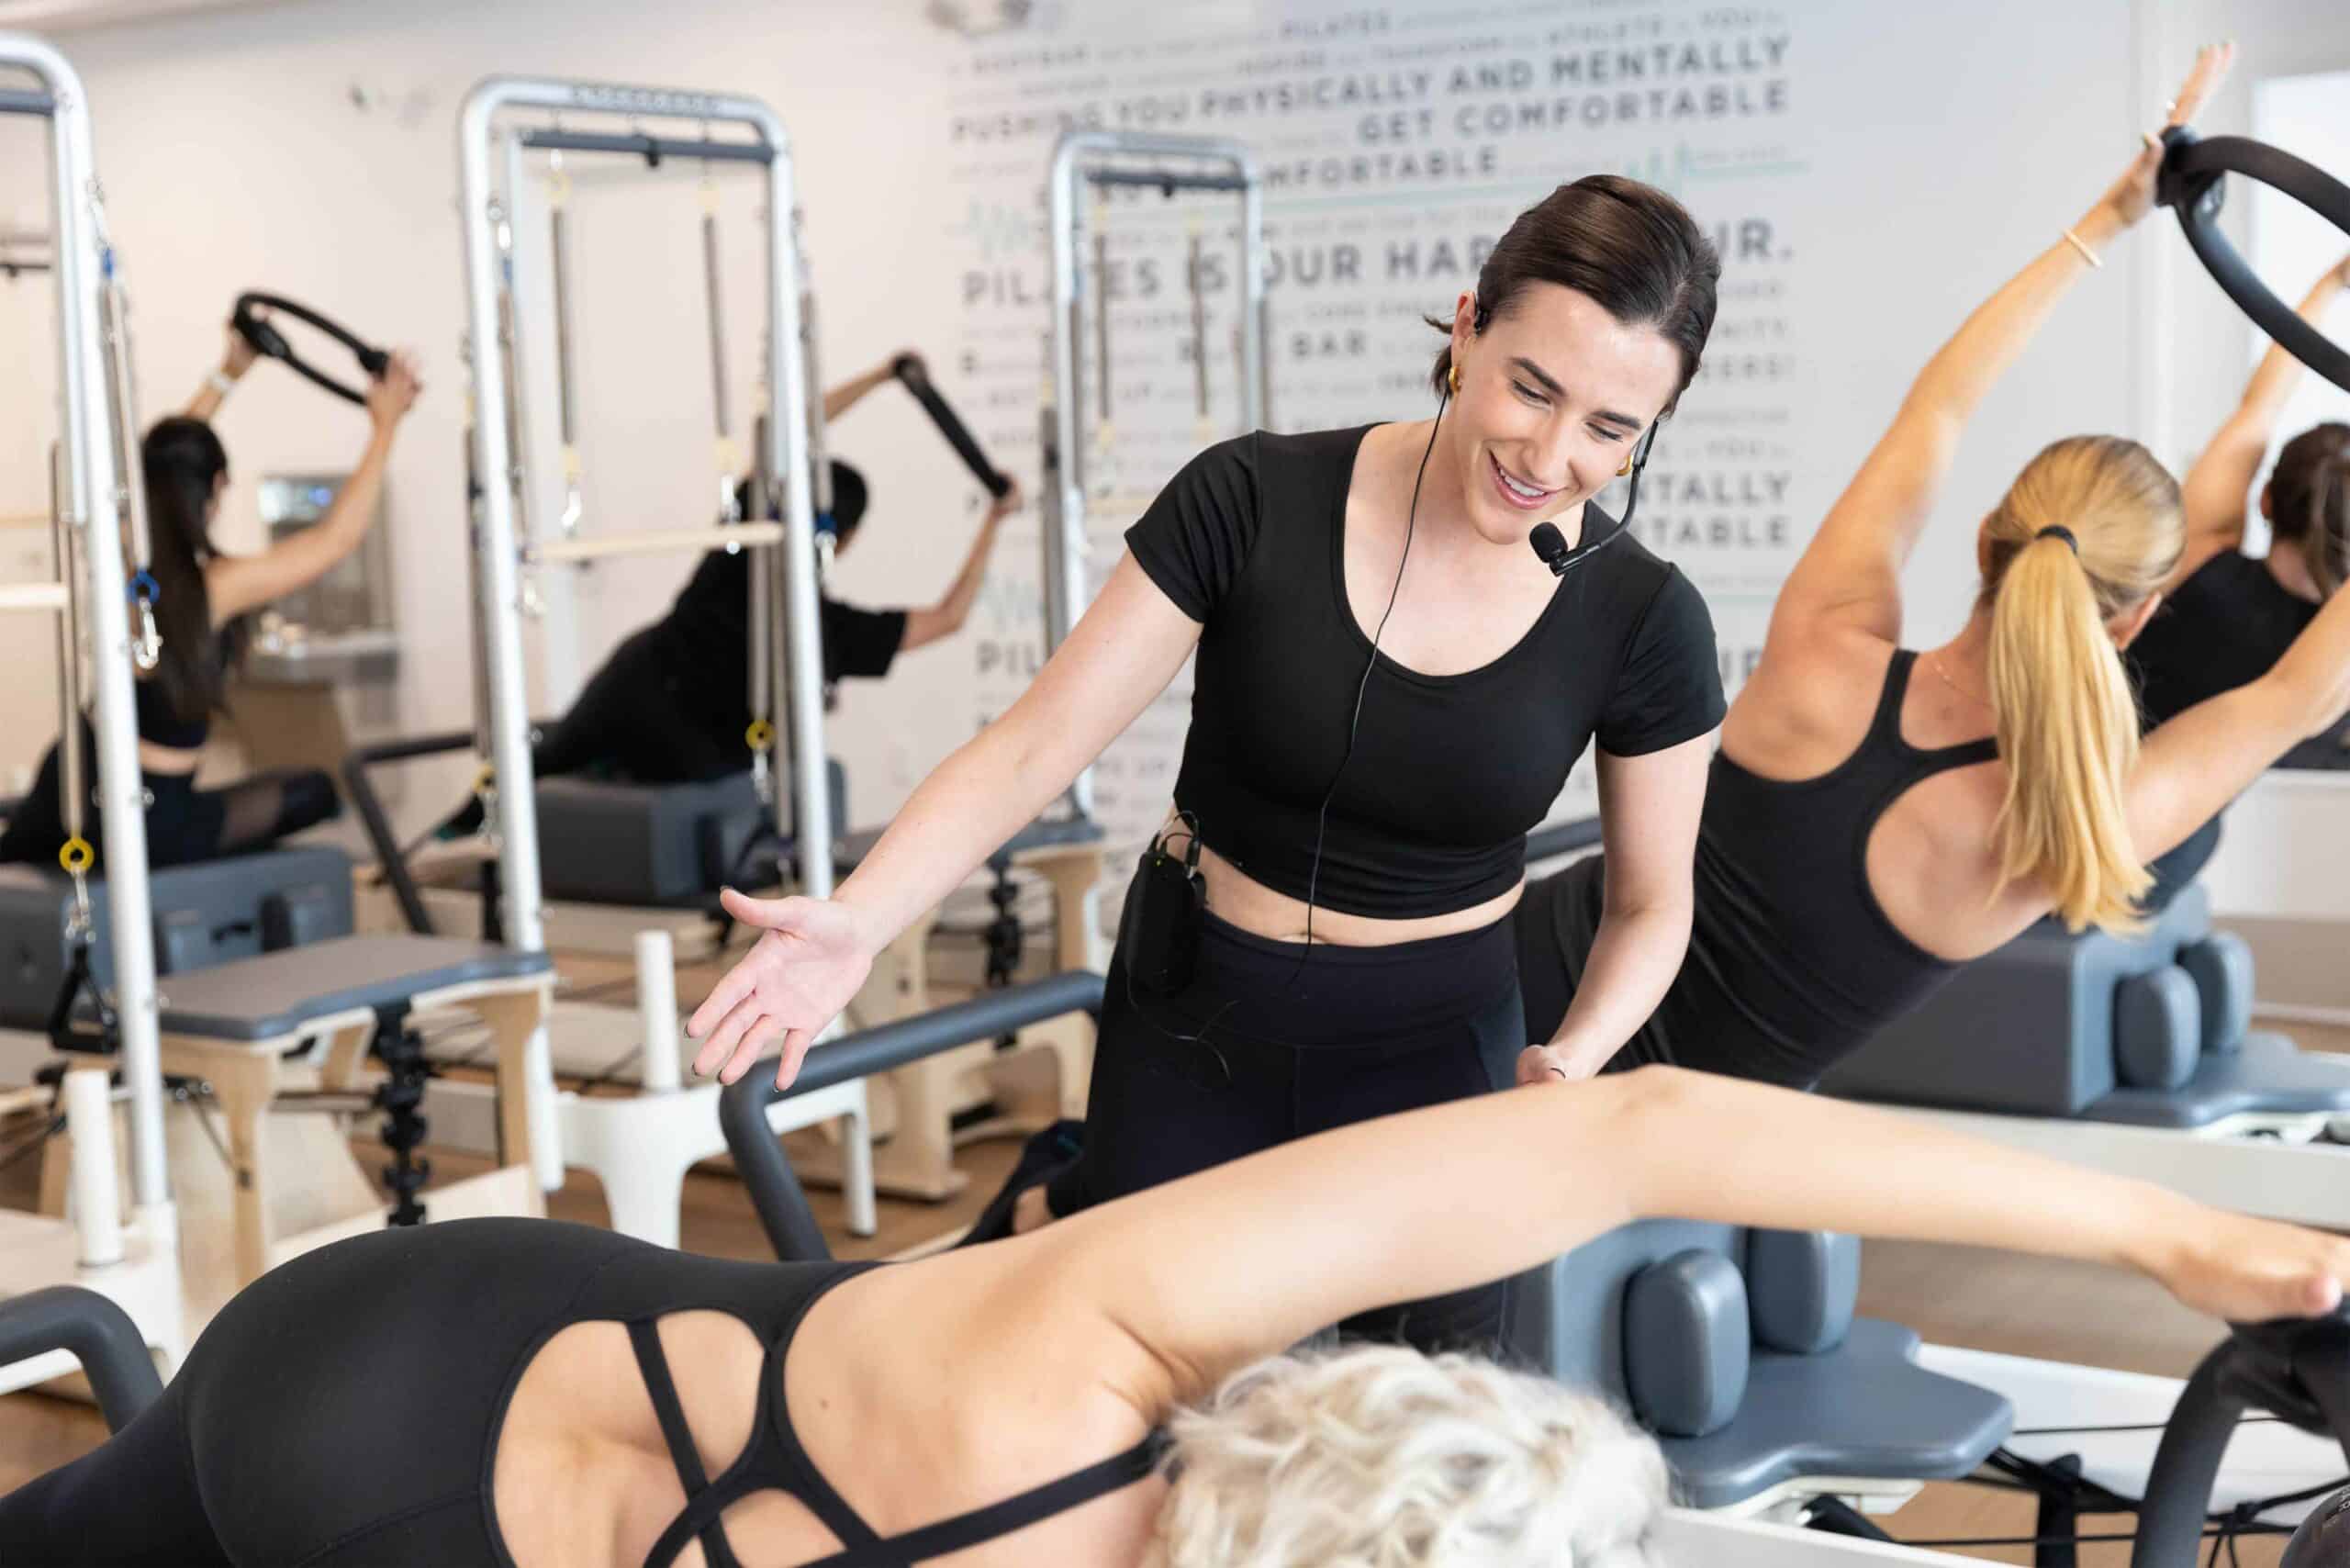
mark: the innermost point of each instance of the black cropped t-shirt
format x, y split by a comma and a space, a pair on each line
1448, 772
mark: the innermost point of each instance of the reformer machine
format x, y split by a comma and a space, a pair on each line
232, 1022
94, 486
1787, 1420
641, 1145
1078, 435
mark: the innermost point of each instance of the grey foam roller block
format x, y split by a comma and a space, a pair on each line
1801, 1288
2221, 967
1686, 1344
2158, 1028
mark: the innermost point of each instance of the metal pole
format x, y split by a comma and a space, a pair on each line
804, 661
87, 423
497, 578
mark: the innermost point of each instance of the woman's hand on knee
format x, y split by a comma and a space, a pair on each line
810, 960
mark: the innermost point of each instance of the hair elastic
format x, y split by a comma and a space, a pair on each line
2058, 530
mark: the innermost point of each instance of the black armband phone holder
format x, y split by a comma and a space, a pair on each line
1166, 912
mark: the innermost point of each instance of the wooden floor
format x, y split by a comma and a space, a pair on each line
1966, 1297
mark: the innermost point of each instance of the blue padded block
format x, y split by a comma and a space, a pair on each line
2158, 1028
1801, 1288
1685, 1339
2221, 967
2028, 1029
205, 913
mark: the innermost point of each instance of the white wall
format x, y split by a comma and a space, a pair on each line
1886, 167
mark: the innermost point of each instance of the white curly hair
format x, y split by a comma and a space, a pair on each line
1381, 1457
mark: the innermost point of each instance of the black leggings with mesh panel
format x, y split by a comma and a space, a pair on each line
183, 824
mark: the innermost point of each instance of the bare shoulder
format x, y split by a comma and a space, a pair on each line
1809, 701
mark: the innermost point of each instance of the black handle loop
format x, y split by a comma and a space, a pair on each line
908, 369
270, 343
2192, 181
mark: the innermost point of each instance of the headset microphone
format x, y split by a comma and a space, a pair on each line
1552, 545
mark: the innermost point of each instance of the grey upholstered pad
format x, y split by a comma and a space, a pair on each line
275, 994
1864, 1408
2269, 1075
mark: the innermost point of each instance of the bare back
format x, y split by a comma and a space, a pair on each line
913, 1414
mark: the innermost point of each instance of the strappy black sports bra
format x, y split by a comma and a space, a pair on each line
642, 1286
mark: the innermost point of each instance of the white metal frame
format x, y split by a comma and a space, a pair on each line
1092, 157
139, 1271
640, 1146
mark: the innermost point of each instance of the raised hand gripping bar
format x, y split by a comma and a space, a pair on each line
270, 343
2193, 180
908, 369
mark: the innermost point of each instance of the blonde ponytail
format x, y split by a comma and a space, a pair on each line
2067, 720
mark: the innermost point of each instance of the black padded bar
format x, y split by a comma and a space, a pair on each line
24, 101
1561, 838
2190, 182
742, 1109
2292, 1368
96, 1333
378, 823
908, 370
652, 149
1167, 180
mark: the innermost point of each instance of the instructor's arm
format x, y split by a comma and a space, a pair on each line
816, 953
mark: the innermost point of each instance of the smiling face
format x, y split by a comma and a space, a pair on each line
1554, 394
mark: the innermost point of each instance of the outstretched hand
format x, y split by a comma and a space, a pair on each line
811, 960
2133, 196
2248, 1271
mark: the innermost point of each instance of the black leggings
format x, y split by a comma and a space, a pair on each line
638, 718
183, 824
1356, 1033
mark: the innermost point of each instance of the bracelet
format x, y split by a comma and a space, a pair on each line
2086, 254
219, 382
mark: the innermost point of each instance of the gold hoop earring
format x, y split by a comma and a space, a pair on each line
1456, 381
1627, 469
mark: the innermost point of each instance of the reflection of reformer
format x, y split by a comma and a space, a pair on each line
1077, 460
2130, 1054
1776, 1405
229, 1025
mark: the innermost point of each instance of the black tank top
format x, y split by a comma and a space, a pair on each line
1792, 961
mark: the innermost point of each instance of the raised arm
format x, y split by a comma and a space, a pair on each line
850, 393
816, 953
235, 360
241, 583
2189, 769
1850, 576
2215, 489
946, 617
1211, 1272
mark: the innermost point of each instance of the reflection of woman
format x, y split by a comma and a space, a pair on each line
673, 701
1391, 688
201, 600
534, 1395
2233, 617
1879, 816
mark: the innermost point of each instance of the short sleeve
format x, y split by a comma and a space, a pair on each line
860, 642
1194, 540
1669, 688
